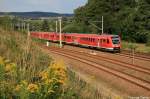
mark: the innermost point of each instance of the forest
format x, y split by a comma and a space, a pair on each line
130, 18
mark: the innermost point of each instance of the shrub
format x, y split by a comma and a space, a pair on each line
49, 84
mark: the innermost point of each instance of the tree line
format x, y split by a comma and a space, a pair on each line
20, 24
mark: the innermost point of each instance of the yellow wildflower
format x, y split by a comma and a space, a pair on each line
48, 81
10, 67
32, 88
44, 75
61, 81
17, 88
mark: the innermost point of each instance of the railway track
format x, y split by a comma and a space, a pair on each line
125, 53
130, 78
137, 55
128, 54
114, 61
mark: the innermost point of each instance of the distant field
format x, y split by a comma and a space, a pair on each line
139, 47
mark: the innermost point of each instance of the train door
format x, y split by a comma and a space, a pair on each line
93, 41
75, 40
98, 42
103, 42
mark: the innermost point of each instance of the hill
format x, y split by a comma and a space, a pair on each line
35, 14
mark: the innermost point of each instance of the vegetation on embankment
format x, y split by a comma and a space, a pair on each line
26, 72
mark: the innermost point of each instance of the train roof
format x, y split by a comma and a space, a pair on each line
93, 35
77, 34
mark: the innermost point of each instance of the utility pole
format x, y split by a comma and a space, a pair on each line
56, 26
102, 25
28, 29
60, 36
22, 26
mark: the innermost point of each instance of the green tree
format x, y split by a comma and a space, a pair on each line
5, 22
45, 26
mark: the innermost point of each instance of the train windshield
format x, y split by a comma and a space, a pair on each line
115, 40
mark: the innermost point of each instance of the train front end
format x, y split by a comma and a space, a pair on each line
116, 43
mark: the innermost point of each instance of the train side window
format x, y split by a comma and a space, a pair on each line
103, 40
93, 40
107, 41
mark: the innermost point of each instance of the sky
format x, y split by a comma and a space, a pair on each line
59, 6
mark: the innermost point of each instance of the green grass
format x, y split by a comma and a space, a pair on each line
139, 47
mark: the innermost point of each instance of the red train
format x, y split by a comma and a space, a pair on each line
105, 41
